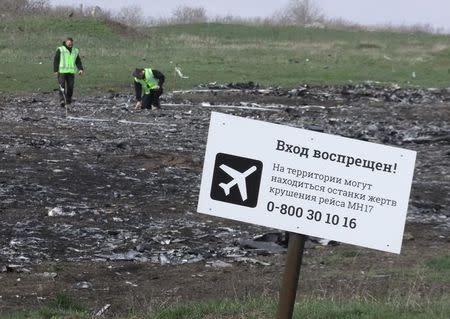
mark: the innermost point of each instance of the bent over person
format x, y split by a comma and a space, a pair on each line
65, 64
148, 88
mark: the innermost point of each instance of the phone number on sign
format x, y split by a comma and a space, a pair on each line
313, 215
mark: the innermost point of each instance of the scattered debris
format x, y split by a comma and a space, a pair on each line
15, 269
131, 178
323, 241
261, 247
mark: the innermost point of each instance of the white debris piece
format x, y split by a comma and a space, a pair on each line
252, 261
15, 242
103, 310
84, 285
87, 119
134, 123
163, 260
131, 284
180, 74
219, 264
58, 211
49, 275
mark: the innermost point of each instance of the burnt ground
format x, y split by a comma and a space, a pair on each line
101, 205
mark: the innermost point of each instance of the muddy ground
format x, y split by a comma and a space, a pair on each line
100, 205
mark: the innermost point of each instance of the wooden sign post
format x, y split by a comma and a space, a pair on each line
289, 284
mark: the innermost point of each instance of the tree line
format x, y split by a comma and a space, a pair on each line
296, 12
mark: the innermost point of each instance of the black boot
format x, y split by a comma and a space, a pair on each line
156, 105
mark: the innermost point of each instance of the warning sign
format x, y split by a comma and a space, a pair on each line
306, 182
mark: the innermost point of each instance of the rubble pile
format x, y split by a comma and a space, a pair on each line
367, 92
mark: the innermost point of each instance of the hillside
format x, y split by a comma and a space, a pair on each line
269, 55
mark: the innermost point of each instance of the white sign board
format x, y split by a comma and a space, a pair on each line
306, 182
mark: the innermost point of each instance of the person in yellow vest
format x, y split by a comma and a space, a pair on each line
148, 86
66, 63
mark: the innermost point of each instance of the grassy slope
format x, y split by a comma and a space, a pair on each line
286, 56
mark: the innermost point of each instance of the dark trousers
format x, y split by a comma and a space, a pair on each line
152, 99
66, 81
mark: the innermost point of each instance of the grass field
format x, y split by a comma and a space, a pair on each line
410, 303
257, 309
268, 55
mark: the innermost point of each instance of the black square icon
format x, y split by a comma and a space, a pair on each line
236, 180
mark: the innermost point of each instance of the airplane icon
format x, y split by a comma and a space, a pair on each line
238, 179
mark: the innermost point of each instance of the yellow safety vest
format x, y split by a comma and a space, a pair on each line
149, 82
67, 60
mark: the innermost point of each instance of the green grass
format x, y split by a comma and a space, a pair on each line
61, 307
412, 293
440, 264
269, 55
263, 308
370, 310
438, 269
255, 308
324, 309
